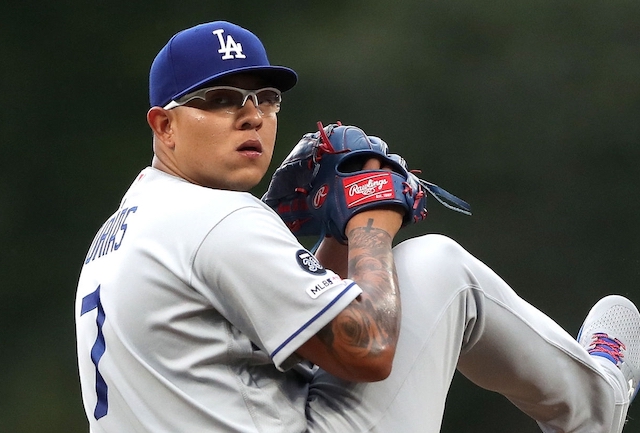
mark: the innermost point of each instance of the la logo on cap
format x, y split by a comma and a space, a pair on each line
229, 46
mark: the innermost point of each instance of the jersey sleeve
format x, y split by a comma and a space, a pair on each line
257, 275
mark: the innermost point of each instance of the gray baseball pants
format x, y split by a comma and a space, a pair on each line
458, 314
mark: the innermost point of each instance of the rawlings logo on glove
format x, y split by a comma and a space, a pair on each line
321, 184
367, 188
320, 196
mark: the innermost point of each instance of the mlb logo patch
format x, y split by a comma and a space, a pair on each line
322, 286
367, 188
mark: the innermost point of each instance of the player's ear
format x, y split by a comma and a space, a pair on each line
159, 121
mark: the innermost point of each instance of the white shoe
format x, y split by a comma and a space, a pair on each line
612, 331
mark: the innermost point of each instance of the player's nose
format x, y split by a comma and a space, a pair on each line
249, 116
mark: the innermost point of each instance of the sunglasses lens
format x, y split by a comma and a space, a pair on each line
268, 97
229, 100
223, 99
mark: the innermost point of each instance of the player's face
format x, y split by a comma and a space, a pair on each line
222, 150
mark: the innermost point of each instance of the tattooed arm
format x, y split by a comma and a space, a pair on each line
359, 344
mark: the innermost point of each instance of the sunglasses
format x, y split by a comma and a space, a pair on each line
229, 100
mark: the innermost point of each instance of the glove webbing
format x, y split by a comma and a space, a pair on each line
445, 198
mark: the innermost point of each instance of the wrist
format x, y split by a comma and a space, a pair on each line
388, 220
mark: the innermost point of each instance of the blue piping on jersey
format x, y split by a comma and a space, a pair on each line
306, 325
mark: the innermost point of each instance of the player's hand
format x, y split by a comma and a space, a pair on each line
328, 178
334, 255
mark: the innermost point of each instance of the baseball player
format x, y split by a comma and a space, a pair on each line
198, 310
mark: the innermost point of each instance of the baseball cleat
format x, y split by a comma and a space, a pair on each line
612, 331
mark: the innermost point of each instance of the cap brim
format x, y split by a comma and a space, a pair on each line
280, 77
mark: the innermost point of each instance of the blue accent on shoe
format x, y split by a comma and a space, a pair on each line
604, 355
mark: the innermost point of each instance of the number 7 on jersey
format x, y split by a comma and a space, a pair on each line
89, 303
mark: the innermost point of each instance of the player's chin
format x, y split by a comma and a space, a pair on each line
246, 179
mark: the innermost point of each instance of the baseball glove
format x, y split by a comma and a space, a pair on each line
321, 184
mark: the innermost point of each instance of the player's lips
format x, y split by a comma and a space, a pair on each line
250, 148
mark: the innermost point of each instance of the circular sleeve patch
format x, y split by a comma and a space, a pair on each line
309, 263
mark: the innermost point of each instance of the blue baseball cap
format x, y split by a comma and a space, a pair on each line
198, 55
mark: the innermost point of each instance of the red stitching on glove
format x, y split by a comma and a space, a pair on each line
294, 226
407, 189
325, 144
417, 199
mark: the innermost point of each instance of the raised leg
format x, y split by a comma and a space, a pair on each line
457, 313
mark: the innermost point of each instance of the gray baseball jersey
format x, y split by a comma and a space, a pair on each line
190, 305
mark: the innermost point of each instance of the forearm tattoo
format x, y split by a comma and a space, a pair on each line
373, 321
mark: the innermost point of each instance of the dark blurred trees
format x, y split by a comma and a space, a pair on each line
527, 110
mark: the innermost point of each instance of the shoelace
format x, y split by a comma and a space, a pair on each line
603, 345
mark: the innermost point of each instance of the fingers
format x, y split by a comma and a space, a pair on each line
375, 164
365, 163
372, 164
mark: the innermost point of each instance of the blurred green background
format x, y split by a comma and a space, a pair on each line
528, 110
